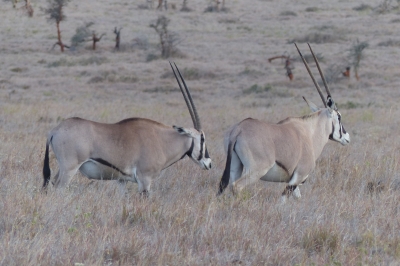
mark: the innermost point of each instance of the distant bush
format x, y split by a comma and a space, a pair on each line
350, 105
192, 74
321, 34
312, 9
288, 13
257, 89
385, 6
316, 37
82, 34
151, 57
390, 42
362, 7
251, 72
112, 77
93, 60
165, 90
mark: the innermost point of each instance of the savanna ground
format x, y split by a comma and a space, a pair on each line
349, 213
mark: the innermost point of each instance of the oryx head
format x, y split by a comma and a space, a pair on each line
338, 134
198, 151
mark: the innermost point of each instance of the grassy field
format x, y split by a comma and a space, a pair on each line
349, 213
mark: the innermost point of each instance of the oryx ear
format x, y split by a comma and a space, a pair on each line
330, 103
183, 131
312, 106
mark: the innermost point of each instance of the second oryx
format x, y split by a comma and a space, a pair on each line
283, 152
134, 149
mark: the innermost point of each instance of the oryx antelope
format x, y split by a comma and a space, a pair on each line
134, 149
283, 152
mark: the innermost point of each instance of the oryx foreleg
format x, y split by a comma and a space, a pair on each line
293, 187
144, 182
291, 190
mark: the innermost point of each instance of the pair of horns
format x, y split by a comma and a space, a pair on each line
188, 99
312, 76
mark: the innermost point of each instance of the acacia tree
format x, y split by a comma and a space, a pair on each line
56, 14
356, 55
168, 40
288, 64
28, 7
117, 37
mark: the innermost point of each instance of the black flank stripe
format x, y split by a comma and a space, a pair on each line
99, 160
282, 166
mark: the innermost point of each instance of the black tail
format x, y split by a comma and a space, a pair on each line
226, 175
46, 167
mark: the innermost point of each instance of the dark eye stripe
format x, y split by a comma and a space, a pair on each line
201, 147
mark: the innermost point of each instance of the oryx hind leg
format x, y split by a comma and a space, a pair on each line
236, 168
247, 179
64, 176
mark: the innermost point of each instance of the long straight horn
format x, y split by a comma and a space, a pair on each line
312, 76
196, 115
320, 72
185, 97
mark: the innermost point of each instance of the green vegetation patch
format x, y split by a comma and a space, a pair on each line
317, 37
312, 9
191, 74
257, 89
165, 90
350, 105
362, 7
288, 13
390, 42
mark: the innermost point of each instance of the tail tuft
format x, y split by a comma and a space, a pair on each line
226, 175
46, 167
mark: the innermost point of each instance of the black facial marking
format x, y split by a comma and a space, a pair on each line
344, 131
180, 130
201, 147
207, 155
333, 130
99, 160
189, 152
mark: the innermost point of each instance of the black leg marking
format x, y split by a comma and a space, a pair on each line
144, 194
288, 190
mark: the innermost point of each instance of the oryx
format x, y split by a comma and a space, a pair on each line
134, 149
282, 152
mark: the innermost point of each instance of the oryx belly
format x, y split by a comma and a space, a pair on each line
276, 174
96, 170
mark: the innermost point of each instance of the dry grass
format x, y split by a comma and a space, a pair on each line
349, 212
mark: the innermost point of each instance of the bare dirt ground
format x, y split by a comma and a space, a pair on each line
349, 213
